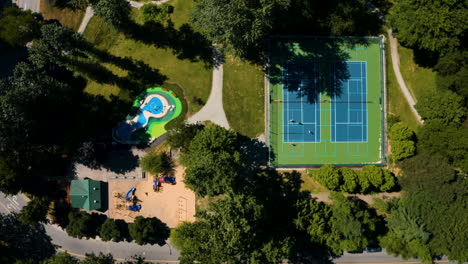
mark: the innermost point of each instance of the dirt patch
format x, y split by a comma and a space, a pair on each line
173, 204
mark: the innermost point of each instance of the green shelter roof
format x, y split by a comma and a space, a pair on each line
85, 194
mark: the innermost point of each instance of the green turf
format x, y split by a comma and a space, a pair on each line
326, 51
244, 97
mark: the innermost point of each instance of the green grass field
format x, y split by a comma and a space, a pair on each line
419, 80
397, 105
194, 77
244, 97
326, 51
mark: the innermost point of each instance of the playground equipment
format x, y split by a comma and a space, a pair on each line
135, 207
127, 197
171, 180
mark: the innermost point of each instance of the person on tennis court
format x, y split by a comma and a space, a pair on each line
310, 132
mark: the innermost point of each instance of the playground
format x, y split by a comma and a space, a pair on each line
171, 203
151, 111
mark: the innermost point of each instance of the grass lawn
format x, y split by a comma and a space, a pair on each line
396, 102
419, 80
310, 185
193, 77
68, 17
244, 97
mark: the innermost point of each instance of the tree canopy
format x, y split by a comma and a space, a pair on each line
148, 231
213, 161
155, 163
18, 27
437, 26
238, 25
113, 12
444, 106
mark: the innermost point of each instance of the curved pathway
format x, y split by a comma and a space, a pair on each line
213, 110
396, 62
396, 68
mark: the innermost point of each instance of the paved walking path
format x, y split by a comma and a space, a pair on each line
87, 16
213, 110
396, 62
396, 68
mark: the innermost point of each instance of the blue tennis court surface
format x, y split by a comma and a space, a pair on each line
301, 115
349, 108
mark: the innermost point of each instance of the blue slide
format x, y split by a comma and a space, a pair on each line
129, 192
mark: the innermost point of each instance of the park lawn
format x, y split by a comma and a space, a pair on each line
193, 77
419, 80
68, 17
309, 184
244, 96
396, 102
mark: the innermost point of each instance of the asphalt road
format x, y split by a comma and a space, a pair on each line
157, 254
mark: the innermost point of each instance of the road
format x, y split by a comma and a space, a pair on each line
33, 5
156, 254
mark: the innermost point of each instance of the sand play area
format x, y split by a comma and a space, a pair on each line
172, 204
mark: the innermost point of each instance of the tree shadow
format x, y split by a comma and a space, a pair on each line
310, 67
25, 241
185, 42
120, 159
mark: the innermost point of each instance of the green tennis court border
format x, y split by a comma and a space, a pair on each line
326, 50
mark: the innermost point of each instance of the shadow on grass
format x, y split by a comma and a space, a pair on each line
185, 42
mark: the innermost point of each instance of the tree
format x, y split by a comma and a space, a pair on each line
181, 136
428, 221
35, 211
329, 176
400, 131
18, 27
61, 258
155, 14
213, 162
20, 241
228, 232
113, 12
240, 26
435, 26
148, 231
452, 73
99, 259
445, 106
81, 225
313, 217
350, 180
448, 141
111, 230
403, 149
155, 163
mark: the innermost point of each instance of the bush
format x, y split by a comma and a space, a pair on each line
389, 181
373, 174
81, 224
350, 180
329, 176
114, 230
155, 163
148, 231
445, 106
392, 119
153, 13
401, 131
403, 149
113, 12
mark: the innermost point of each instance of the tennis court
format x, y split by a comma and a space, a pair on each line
325, 101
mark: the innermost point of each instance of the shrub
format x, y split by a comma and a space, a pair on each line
350, 180
403, 149
401, 131
148, 231
329, 176
153, 13
389, 181
373, 174
81, 224
114, 230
